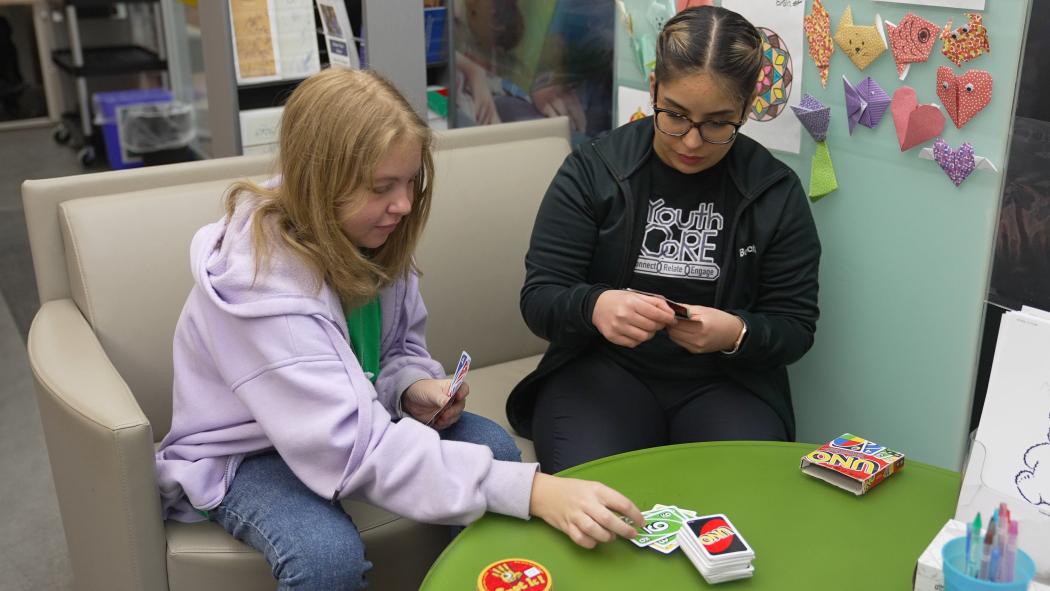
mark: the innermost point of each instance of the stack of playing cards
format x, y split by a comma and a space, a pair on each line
457, 380
716, 549
661, 527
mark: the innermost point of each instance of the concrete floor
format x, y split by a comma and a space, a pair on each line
33, 555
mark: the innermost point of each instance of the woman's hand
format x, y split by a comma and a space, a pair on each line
629, 319
425, 397
588, 512
707, 330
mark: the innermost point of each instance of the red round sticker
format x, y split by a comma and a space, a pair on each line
717, 536
515, 574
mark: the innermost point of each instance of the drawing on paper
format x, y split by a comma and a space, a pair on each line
774, 80
1034, 483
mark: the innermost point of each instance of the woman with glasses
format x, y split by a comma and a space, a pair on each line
672, 268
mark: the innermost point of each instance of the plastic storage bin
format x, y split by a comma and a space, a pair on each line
434, 27
954, 554
153, 127
110, 108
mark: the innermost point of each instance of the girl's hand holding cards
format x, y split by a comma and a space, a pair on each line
425, 398
708, 330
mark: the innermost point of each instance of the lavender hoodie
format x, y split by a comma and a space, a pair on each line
269, 365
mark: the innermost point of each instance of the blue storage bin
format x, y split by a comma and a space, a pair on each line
434, 20
108, 109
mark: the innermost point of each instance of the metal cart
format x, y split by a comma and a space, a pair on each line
84, 62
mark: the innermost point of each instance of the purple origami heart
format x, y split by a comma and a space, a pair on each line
957, 164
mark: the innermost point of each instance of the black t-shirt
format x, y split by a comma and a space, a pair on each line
685, 226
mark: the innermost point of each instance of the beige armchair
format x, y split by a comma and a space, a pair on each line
110, 252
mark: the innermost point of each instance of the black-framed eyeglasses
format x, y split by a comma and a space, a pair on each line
713, 132
676, 124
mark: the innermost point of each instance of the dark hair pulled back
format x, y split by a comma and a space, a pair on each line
714, 40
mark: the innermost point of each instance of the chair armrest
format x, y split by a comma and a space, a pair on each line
101, 449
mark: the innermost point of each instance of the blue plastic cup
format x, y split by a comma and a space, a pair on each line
955, 578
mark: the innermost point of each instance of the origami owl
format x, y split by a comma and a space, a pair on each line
862, 44
967, 42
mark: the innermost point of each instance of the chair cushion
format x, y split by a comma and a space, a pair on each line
128, 257
489, 388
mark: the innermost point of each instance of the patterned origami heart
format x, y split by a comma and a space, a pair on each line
963, 96
957, 164
916, 124
862, 44
967, 42
818, 32
912, 41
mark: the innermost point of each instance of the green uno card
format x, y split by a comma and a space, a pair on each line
659, 524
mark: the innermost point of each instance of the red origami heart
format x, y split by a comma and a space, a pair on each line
916, 124
963, 96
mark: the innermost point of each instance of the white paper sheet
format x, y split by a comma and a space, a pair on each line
784, 17
297, 38
968, 4
630, 102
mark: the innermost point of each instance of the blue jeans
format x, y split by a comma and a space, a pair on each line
310, 542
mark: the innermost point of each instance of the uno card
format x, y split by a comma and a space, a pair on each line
457, 381
680, 311
659, 524
719, 540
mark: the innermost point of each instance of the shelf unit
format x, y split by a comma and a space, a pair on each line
81, 63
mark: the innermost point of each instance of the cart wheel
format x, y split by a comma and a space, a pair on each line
60, 135
86, 155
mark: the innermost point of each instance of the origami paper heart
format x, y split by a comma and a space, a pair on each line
862, 44
957, 164
866, 103
916, 124
912, 41
814, 115
818, 32
963, 96
967, 42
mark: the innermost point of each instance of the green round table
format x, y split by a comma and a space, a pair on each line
806, 534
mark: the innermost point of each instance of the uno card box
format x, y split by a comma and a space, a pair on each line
852, 463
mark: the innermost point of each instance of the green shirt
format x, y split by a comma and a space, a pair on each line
364, 324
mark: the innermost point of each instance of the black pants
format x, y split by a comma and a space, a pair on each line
593, 408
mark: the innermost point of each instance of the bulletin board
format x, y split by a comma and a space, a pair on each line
906, 253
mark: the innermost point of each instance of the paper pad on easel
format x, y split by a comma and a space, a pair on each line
916, 124
1009, 460
866, 103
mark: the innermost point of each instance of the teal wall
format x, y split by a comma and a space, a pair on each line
906, 254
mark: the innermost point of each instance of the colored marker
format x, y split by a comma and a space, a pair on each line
993, 565
1011, 554
987, 554
973, 564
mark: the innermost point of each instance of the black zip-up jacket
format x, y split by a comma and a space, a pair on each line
586, 240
